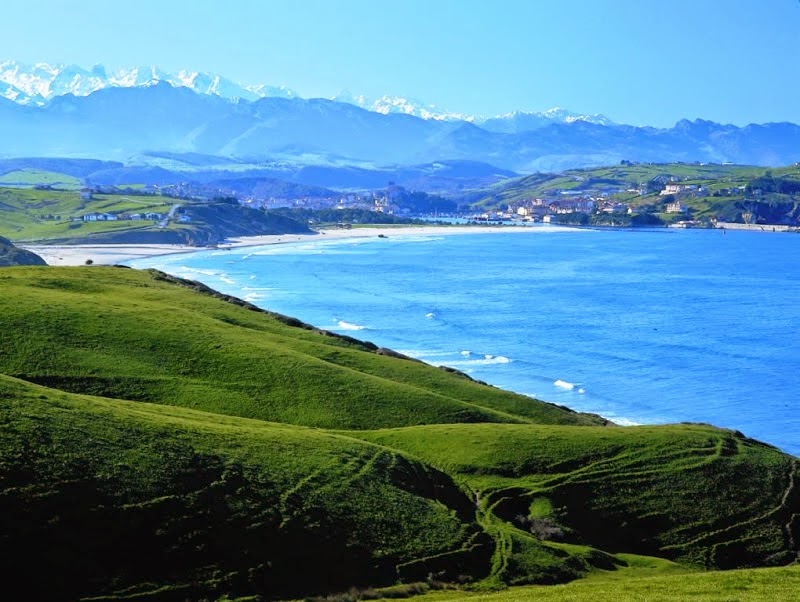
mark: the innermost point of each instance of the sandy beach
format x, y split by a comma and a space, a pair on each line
110, 254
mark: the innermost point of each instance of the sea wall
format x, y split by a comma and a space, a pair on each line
756, 227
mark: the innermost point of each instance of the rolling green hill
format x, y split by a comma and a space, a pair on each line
163, 441
102, 496
31, 214
685, 492
152, 340
32, 177
618, 176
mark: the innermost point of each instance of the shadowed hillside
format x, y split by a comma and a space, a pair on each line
11, 255
106, 496
692, 493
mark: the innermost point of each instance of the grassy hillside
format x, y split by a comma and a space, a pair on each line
692, 493
32, 177
63, 168
163, 441
102, 496
152, 340
55, 216
637, 585
30, 214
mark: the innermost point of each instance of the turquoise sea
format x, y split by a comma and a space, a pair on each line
640, 326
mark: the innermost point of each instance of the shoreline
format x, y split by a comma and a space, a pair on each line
111, 254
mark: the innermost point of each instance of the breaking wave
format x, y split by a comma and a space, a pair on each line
488, 360
564, 384
348, 326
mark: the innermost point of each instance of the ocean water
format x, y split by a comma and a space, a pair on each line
640, 326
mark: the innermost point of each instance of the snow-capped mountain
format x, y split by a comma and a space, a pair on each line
525, 121
137, 76
401, 105
13, 93
39, 83
265, 91
515, 122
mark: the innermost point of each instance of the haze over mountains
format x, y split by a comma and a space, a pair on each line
68, 111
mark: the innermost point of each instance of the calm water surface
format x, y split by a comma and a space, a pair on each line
639, 326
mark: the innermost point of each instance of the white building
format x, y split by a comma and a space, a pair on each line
675, 207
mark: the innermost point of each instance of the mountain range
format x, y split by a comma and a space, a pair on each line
71, 112
36, 84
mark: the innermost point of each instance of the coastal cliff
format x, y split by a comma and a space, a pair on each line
11, 255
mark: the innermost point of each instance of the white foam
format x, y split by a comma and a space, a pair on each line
425, 353
189, 270
466, 353
348, 326
581, 390
564, 384
413, 238
430, 315
316, 247
486, 361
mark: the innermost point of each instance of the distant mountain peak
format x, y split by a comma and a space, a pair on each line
387, 104
520, 121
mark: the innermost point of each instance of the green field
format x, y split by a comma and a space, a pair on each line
49, 216
36, 215
161, 441
33, 177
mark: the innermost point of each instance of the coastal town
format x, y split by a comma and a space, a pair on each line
628, 195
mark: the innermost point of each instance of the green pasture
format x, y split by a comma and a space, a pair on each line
37, 215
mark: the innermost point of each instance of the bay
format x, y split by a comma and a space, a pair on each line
639, 326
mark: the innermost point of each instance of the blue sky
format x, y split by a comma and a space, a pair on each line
638, 61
